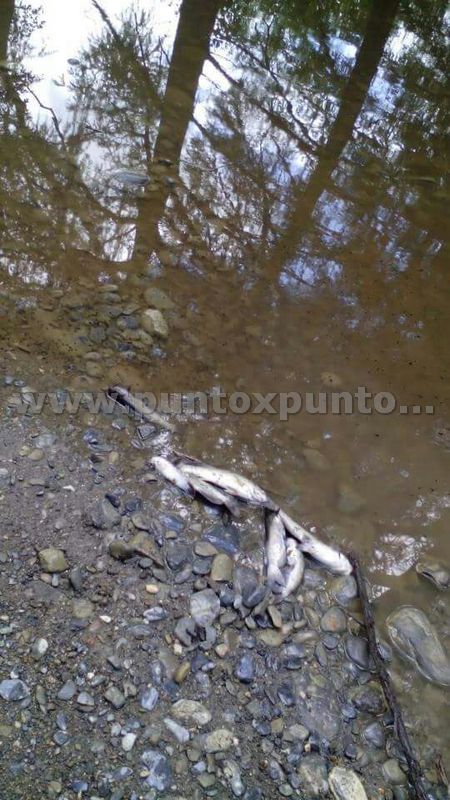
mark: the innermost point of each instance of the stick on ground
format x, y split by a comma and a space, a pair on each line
415, 773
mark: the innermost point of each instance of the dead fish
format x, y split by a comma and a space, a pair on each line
171, 473
275, 551
295, 567
435, 572
215, 495
231, 482
326, 555
125, 398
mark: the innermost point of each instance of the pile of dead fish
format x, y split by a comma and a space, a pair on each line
286, 540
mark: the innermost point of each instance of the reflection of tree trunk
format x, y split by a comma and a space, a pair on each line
190, 50
379, 26
6, 15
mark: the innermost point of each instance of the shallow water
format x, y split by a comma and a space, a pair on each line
296, 214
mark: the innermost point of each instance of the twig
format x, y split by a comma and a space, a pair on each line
414, 769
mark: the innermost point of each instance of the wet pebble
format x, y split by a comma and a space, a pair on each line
345, 785
334, 620
149, 699
159, 770
52, 560
357, 649
204, 607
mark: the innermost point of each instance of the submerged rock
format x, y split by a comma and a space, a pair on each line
415, 638
154, 323
434, 572
13, 690
160, 771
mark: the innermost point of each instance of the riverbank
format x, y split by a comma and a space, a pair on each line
125, 669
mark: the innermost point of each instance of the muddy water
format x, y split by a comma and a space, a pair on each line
294, 210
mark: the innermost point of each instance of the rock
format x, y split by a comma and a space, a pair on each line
82, 608
270, 637
245, 668
156, 298
4, 478
39, 648
182, 672
344, 589
205, 549
85, 700
334, 620
159, 768
393, 772
67, 692
374, 734
357, 650
222, 568
181, 734
191, 711
103, 515
52, 560
120, 550
313, 776
155, 614
149, 698
295, 733
218, 740
349, 501
369, 698
437, 573
233, 776
177, 554
345, 785
205, 607
412, 634
153, 322
128, 742
114, 696
13, 690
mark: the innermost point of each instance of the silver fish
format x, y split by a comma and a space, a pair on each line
231, 482
326, 555
215, 495
124, 398
275, 551
295, 567
171, 473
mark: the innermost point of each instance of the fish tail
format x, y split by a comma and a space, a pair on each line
275, 579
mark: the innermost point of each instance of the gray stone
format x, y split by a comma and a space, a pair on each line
357, 650
128, 741
313, 775
177, 554
222, 568
334, 620
52, 560
181, 734
153, 322
149, 698
191, 711
13, 690
344, 589
205, 607
374, 734
245, 668
218, 740
393, 772
82, 608
413, 635
67, 691
4, 478
86, 700
39, 648
159, 768
103, 515
345, 785
114, 696
369, 698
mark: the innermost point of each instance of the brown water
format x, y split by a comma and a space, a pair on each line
296, 213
